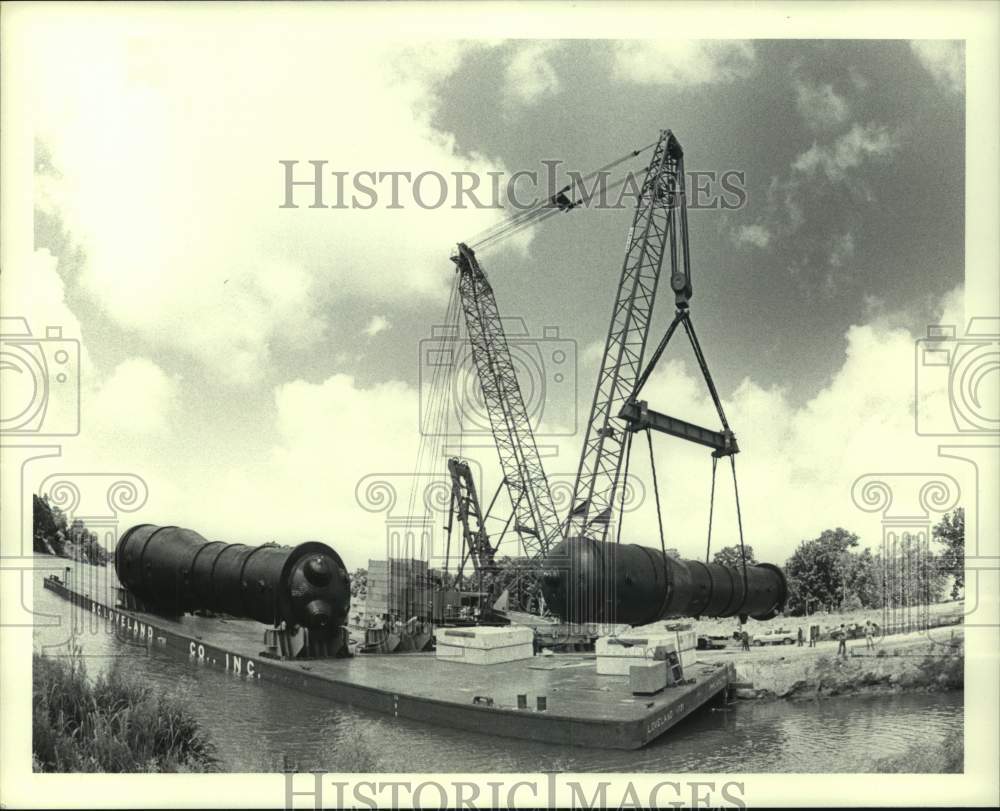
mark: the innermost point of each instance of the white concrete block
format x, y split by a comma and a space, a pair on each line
485, 645
616, 654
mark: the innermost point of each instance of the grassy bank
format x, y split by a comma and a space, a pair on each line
110, 724
917, 666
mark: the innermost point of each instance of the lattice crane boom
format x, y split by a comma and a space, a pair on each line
465, 501
536, 520
654, 232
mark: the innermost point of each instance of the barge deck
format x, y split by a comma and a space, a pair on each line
581, 708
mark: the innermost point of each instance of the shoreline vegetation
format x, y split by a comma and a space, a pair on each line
54, 534
909, 666
109, 724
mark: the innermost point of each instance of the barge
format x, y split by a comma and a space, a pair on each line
557, 699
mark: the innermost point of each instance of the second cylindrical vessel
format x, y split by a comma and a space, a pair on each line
173, 570
590, 581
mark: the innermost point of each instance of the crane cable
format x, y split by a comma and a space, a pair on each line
711, 508
546, 208
739, 516
547, 203
656, 496
430, 443
621, 508
544, 212
739, 522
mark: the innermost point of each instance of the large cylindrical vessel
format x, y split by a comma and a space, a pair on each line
590, 581
173, 570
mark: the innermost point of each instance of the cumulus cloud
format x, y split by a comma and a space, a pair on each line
529, 75
682, 62
861, 143
944, 60
377, 324
757, 235
819, 105
167, 175
137, 398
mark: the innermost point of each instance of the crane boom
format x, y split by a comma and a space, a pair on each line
536, 520
656, 227
465, 501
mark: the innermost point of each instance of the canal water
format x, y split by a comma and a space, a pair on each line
255, 726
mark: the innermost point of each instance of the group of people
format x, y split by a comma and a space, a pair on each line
841, 634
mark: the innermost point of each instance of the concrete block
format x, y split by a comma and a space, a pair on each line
485, 645
687, 640
684, 632
616, 654
647, 678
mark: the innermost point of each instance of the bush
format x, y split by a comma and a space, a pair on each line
115, 724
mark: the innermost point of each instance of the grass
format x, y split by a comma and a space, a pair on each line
113, 724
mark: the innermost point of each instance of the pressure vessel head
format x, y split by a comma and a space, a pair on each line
318, 571
319, 589
319, 614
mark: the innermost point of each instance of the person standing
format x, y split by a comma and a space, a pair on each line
842, 637
802, 638
745, 640
869, 635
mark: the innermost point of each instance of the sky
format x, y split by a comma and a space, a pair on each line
262, 367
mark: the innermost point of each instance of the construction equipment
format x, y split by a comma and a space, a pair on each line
659, 223
536, 521
586, 580
465, 503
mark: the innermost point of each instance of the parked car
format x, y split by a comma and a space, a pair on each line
775, 636
712, 642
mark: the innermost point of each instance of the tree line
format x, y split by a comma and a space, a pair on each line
831, 573
53, 534
826, 573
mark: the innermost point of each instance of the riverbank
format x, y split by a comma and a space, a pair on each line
114, 723
916, 663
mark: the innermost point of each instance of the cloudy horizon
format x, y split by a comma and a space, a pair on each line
254, 364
